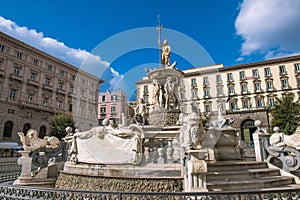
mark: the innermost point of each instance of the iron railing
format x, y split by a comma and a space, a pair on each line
11, 192
9, 169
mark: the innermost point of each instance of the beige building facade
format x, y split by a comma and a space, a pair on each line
246, 92
34, 86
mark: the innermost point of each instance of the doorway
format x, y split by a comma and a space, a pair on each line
247, 130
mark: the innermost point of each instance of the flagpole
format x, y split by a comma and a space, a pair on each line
159, 29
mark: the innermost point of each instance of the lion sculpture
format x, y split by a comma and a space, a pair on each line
31, 141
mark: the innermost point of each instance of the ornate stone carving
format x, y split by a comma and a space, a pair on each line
31, 141
117, 145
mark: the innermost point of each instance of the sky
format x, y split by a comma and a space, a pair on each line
116, 40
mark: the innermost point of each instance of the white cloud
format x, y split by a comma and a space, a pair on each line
116, 80
269, 27
57, 49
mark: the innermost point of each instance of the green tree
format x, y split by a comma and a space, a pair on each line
58, 125
286, 114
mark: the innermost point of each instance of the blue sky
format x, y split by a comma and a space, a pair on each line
116, 40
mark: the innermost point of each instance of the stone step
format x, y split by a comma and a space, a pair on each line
248, 184
221, 166
241, 174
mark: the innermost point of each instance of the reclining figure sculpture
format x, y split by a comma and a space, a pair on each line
107, 145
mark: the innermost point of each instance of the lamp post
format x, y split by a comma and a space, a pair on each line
268, 120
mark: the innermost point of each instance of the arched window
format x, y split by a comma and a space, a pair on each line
42, 132
26, 127
8, 127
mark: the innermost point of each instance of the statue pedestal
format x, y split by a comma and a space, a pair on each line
41, 178
162, 118
224, 142
195, 177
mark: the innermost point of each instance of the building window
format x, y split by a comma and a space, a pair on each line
60, 85
182, 84
30, 97
231, 90
218, 79
220, 91
83, 81
207, 109
8, 128
259, 103
103, 98
16, 71
19, 55
284, 84
271, 101
269, 85
73, 77
194, 94
255, 73
103, 110
242, 75
146, 99
244, 88
62, 72
13, 94
114, 97
282, 70
193, 82
1, 47
267, 72
33, 76
233, 105
298, 81
245, 104
59, 104
45, 101
71, 89
229, 77
206, 93
113, 109
48, 81
297, 68
257, 87
205, 80
50, 67
35, 61
146, 89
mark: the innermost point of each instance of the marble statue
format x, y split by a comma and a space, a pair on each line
141, 112
170, 87
107, 145
156, 93
191, 131
124, 120
279, 139
221, 121
32, 142
166, 50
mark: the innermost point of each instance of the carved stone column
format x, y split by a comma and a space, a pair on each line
160, 150
170, 151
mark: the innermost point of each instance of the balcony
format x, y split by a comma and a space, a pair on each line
16, 77
60, 91
47, 87
33, 82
